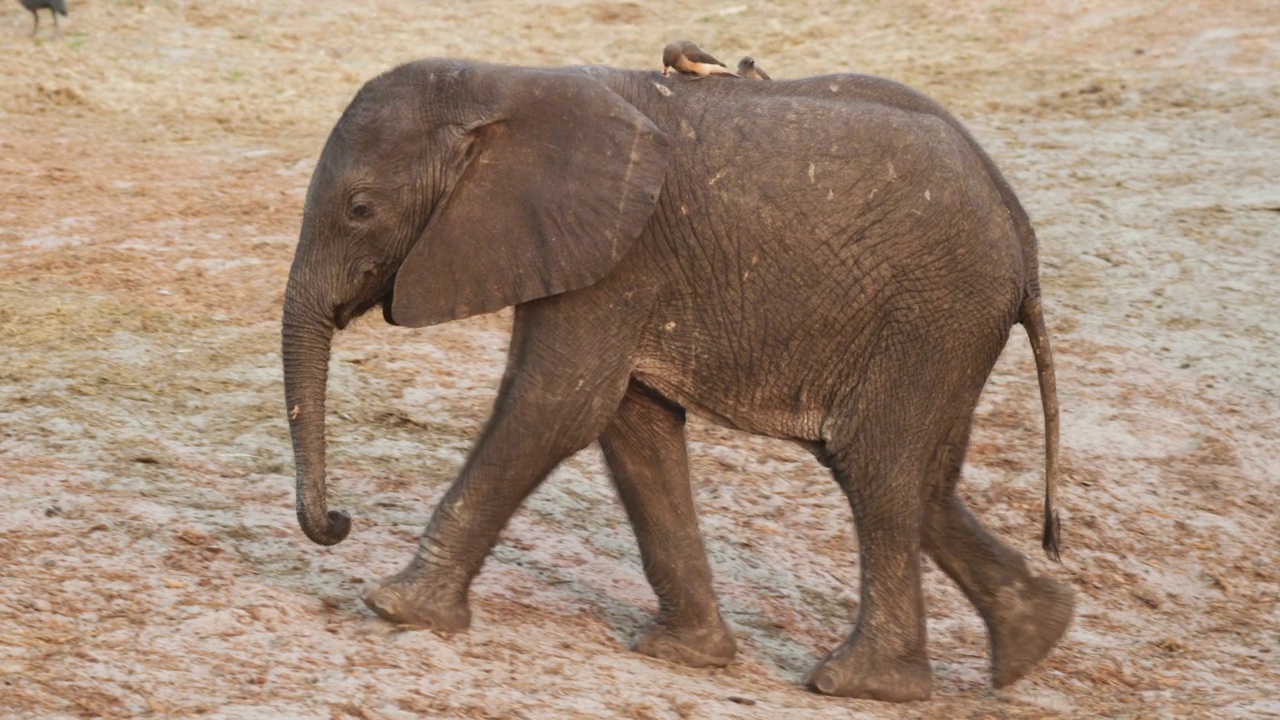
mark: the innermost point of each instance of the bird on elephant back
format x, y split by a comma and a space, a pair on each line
831, 260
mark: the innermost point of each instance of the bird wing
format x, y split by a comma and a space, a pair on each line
58, 6
698, 56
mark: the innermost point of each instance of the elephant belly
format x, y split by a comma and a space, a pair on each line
739, 413
780, 384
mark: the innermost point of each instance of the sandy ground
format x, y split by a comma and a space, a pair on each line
153, 161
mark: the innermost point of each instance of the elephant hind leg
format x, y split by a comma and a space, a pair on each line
644, 446
1025, 614
885, 657
890, 451
880, 461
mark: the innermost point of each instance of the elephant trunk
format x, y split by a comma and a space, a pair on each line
305, 341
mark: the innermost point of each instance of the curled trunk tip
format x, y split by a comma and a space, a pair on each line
328, 528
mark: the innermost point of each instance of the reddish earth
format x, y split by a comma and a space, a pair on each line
153, 162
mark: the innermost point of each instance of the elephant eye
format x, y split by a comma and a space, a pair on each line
361, 211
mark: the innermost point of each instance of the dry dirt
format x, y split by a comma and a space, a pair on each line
153, 161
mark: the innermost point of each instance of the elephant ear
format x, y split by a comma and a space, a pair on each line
559, 177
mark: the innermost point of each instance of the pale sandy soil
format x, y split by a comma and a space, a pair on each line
152, 167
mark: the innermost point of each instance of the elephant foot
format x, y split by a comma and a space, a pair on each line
853, 672
1027, 622
415, 603
699, 646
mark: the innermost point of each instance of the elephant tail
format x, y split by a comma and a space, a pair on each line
1031, 317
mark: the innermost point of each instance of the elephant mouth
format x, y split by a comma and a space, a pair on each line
387, 299
344, 314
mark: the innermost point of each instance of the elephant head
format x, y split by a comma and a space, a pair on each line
448, 190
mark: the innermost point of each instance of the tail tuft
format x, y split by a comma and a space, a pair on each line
1052, 539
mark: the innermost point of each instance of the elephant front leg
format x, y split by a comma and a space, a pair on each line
431, 591
551, 404
644, 446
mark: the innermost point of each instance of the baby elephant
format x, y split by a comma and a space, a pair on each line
844, 279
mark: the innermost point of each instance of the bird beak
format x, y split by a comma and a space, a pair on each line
664, 70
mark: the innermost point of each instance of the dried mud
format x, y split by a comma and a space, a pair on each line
153, 161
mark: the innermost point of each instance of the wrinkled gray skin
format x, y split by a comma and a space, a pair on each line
831, 261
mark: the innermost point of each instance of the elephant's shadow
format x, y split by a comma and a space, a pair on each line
773, 630
571, 546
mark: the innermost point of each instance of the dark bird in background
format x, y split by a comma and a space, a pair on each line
686, 57
748, 68
55, 7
